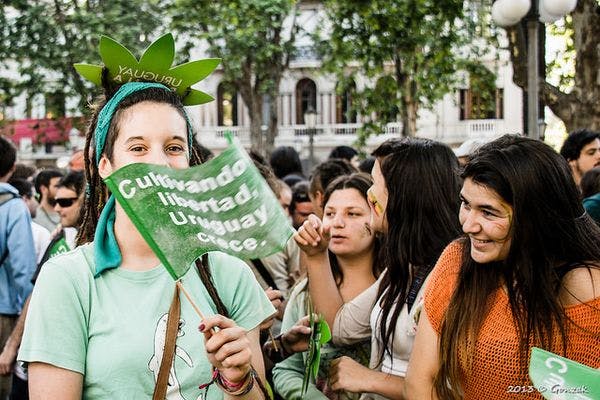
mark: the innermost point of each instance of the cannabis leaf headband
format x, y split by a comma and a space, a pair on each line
153, 69
153, 66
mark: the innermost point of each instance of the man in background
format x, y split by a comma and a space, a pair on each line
581, 149
301, 206
46, 183
69, 201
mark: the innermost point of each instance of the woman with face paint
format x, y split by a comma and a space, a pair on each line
97, 322
525, 273
414, 204
353, 255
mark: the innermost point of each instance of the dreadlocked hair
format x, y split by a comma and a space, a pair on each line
97, 193
204, 273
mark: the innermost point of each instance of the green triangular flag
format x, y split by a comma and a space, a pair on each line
223, 204
559, 378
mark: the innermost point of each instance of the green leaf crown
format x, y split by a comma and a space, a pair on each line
154, 66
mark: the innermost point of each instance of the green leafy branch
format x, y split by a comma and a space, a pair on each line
319, 335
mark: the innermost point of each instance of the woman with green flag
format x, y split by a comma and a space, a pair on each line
101, 322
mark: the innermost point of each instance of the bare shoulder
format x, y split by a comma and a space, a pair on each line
581, 285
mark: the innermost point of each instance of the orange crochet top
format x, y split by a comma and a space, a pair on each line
496, 362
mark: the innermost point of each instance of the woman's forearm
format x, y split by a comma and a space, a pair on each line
386, 385
324, 292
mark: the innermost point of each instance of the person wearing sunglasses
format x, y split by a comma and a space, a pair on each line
68, 202
69, 199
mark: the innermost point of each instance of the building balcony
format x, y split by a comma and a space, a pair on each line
328, 136
306, 53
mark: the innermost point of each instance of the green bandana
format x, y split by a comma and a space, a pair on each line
107, 254
107, 112
106, 250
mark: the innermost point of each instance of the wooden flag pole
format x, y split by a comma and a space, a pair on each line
194, 306
202, 317
273, 341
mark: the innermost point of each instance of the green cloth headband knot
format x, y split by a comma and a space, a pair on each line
106, 114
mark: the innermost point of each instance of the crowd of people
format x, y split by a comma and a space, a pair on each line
436, 277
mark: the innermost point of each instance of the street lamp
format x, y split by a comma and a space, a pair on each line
509, 12
310, 120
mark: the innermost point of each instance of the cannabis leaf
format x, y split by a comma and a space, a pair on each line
154, 65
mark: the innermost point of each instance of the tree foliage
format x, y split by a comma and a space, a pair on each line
409, 51
576, 97
255, 46
44, 38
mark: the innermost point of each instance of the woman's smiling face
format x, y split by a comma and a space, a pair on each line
486, 218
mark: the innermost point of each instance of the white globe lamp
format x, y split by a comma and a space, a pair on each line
558, 7
514, 9
498, 16
546, 16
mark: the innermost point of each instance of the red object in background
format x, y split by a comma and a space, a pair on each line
45, 130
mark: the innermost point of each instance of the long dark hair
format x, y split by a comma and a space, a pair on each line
96, 197
549, 230
421, 178
360, 182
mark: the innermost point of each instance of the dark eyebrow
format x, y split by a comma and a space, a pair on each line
486, 207
489, 208
181, 138
353, 208
133, 138
176, 137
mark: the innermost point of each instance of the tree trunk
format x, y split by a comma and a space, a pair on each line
272, 123
253, 100
579, 108
256, 134
409, 126
256, 122
407, 91
409, 109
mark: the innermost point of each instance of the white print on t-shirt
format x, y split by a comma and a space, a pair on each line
173, 390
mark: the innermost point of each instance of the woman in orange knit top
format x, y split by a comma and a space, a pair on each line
525, 274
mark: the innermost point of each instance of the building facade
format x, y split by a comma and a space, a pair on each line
459, 116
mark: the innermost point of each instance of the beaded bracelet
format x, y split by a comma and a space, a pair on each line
215, 373
237, 389
231, 388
